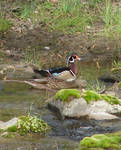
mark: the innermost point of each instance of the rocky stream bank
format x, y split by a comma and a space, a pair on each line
99, 117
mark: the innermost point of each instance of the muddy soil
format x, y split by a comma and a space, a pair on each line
53, 46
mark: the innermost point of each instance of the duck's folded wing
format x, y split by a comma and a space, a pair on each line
52, 71
43, 73
58, 69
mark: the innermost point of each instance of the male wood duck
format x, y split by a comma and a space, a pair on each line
64, 73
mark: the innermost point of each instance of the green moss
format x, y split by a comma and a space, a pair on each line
89, 142
110, 99
12, 128
32, 124
91, 96
102, 141
64, 94
94, 96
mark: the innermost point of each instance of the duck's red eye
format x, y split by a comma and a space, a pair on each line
74, 56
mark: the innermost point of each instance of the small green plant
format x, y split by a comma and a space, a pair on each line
97, 86
107, 141
116, 66
95, 3
69, 6
32, 56
32, 124
5, 24
26, 124
107, 18
23, 9
26, 11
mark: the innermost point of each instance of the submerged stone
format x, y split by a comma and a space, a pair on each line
8, 134
8, 124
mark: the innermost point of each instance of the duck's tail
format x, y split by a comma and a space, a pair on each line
43, 73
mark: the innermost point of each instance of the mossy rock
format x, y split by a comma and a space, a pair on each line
101, 141
94, 96
65, 94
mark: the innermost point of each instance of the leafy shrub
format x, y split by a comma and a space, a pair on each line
32, 124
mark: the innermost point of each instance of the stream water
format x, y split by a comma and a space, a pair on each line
20, 99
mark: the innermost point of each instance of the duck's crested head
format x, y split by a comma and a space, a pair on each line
72, 58
76, 57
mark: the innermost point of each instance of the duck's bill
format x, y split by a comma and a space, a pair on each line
78, 58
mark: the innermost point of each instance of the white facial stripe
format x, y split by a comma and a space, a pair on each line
70, 61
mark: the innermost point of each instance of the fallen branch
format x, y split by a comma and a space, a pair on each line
51, 84
33, 84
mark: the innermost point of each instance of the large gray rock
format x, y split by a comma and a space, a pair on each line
101, 110
76, 108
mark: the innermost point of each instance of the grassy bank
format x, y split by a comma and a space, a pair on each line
68, 25
70, 16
